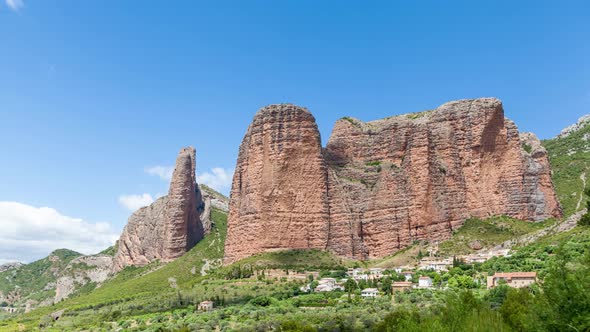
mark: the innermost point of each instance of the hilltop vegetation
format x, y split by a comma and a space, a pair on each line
29, 281
488, 233
570, 159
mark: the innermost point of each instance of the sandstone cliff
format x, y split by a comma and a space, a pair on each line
279, 197
170, 226
380, 185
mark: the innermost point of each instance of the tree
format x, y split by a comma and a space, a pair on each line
515, 308
497, 295
566, 293
585, 220
386, 285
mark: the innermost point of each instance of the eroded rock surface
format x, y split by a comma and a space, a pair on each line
170, 226
81, 271
378, 186
279, 197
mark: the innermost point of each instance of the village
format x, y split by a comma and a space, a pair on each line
430, 273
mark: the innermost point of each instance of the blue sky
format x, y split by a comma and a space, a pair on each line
94, 92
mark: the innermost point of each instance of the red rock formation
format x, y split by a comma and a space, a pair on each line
381, 185
419, 176
169, 227
279, 188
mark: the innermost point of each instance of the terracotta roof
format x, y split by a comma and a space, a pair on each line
515, 275
425, 278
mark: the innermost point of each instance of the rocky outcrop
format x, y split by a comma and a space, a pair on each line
81, 271
582, 122
279, 197
170, 226
10, 266
214, 199
378, 186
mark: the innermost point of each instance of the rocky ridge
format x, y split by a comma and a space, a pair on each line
380, 185
10, 266
582, 122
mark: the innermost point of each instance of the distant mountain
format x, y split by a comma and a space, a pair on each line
569, 154
52, 279
10, 266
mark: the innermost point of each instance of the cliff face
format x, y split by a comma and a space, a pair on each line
380, 185
279, 192
419, 176
170, 226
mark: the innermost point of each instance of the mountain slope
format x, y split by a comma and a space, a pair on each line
35, 281
569, 155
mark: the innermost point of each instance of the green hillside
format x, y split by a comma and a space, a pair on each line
570, 161
489, 233
31, 280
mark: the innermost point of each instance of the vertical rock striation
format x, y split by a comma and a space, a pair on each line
419, 176
279, 192
170, 226
380, 185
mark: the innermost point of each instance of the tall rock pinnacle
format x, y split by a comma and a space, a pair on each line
169, 227
183, 226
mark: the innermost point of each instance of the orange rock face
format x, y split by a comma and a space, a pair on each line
380, 185
279, 192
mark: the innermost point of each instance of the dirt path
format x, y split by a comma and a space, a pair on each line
583, 178
559, 227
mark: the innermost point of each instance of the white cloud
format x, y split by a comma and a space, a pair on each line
164, 172
134, 202
30, 233
219, 179
15, 4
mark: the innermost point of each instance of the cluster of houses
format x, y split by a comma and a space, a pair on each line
359, 274
485, 256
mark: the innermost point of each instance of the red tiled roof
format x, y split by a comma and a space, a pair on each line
515, 275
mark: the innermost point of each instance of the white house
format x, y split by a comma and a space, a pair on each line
408, 275
376, 273
328, 285
476, 258
429, 263
328, 281
425, 282
370, 292
205, 306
